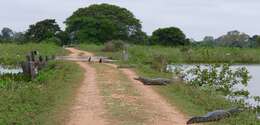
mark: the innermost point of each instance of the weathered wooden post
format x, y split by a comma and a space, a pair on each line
100, 60
29, 67
125, 55
46, 58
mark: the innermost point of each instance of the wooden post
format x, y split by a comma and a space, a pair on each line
125, 55
100, 60
46, 58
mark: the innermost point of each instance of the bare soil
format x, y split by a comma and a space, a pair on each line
87, 108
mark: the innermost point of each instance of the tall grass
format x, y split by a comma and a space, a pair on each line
42, 101
144, 54
12, 54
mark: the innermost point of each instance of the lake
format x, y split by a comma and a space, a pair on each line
6, 70
253, 85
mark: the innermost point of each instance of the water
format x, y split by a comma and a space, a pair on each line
4, 70
253, 85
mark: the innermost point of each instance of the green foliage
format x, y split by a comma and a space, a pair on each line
171, 36
13, 54
6, 33
219, 78
144, 54
114, 46
42, 30
104, 22
159, 63
63, 38
35, 102
193, 101
233, 39
258, 41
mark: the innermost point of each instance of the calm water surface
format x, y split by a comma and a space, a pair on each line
4, 70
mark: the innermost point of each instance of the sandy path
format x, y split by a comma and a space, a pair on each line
162, 112
87, 108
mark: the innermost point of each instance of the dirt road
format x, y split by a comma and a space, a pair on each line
89, 107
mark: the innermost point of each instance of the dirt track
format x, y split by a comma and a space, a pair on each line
88, 108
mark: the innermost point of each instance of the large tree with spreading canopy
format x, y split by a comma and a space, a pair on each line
42, 30
104, 22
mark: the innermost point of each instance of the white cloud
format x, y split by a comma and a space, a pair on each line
196, 18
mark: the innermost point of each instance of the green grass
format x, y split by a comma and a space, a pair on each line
13, 54
43, 101
145, 54
189, 100
194, 102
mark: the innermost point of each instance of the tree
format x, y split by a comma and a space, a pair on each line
19, 37
258, 41
234, 39
104, 22
63, 38
171, 36
42, 30
7, 33
208, 39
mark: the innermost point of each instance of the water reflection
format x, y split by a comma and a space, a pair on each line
6, 70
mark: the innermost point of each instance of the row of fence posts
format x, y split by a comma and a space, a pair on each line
34, 63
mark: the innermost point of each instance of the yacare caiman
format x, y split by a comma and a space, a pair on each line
156, 81
214, 116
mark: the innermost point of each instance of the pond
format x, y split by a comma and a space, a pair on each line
7, 70
253, 85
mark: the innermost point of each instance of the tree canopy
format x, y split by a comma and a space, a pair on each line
104, 22
42, 30
7, 33
171, 36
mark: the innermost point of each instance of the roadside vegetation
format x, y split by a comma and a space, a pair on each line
13, 54
141, 54
44, 100
190, 99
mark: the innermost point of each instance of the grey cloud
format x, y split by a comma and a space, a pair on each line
196, 18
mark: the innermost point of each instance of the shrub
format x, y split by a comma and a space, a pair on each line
220, 78
159, 62
114, 46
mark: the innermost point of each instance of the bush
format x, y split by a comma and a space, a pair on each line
159, 62
171, 36
114, 46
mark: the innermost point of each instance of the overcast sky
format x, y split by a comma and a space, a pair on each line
197, 18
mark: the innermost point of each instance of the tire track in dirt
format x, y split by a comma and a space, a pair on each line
161, 112
87, 108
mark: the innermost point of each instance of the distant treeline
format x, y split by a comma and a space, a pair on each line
100, 23
231, 39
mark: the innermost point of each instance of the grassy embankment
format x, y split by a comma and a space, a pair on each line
43, 101
190, 100
12, 54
